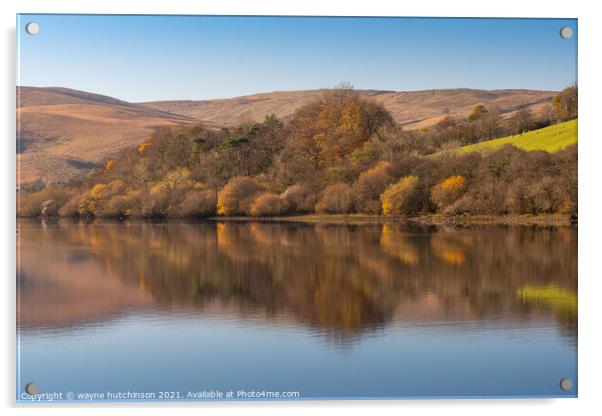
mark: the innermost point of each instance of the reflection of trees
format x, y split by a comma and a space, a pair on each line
338, 278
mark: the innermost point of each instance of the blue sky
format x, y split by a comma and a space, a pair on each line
142, 58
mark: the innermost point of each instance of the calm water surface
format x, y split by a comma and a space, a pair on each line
324, 310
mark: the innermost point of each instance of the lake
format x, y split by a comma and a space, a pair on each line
252, 310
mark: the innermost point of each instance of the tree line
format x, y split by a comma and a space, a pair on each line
341, 154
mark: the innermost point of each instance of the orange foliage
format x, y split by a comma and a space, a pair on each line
109, 165
448, 191
142, 148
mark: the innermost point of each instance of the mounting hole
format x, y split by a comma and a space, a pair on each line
566, 32
32, 28
566, 384
31, 388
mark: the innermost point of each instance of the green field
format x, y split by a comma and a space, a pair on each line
551, 139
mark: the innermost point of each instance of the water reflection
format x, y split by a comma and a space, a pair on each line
344, 281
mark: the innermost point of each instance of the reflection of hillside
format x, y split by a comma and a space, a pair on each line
62, 285
336, 278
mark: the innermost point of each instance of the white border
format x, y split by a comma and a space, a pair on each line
590, 202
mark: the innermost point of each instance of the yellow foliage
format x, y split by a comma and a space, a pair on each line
173, 180
351, 119
399, 198
142, 148
98, 190
448, 190
453, 182
176, 176
159, 188
109, 165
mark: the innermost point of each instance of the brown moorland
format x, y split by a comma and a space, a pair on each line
412, 109
64, 132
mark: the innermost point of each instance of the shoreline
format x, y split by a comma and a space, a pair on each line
359, 219
432, 219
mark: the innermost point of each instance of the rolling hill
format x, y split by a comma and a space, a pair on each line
64, 132
551, 139
414, 109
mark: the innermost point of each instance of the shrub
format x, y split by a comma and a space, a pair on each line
167, 194
402, 198
31, 204
487, 196
300, 197
448, 191
237, 196
568, 206
267, 204
93, 202
155, 204
335, 199
369, 186
177, 179
197, 203
71, 207
122, 206
116, 207
546, 195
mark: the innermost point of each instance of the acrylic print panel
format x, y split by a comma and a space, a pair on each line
291, 208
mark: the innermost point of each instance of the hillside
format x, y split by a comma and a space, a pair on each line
551, 139
340, 155
63, 131
414, 109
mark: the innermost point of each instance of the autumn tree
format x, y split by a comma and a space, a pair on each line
402, 198
268, 204
345, 121
45, 202
300, 197
249, 150
448, 191
543, 195
369, 186
93, 203
522, 121
478, 113
484, 123
490, 124
323, 135
237, 196
391, 143
565, 104
335, 199
196, 203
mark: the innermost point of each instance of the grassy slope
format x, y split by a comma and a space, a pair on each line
551, 139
